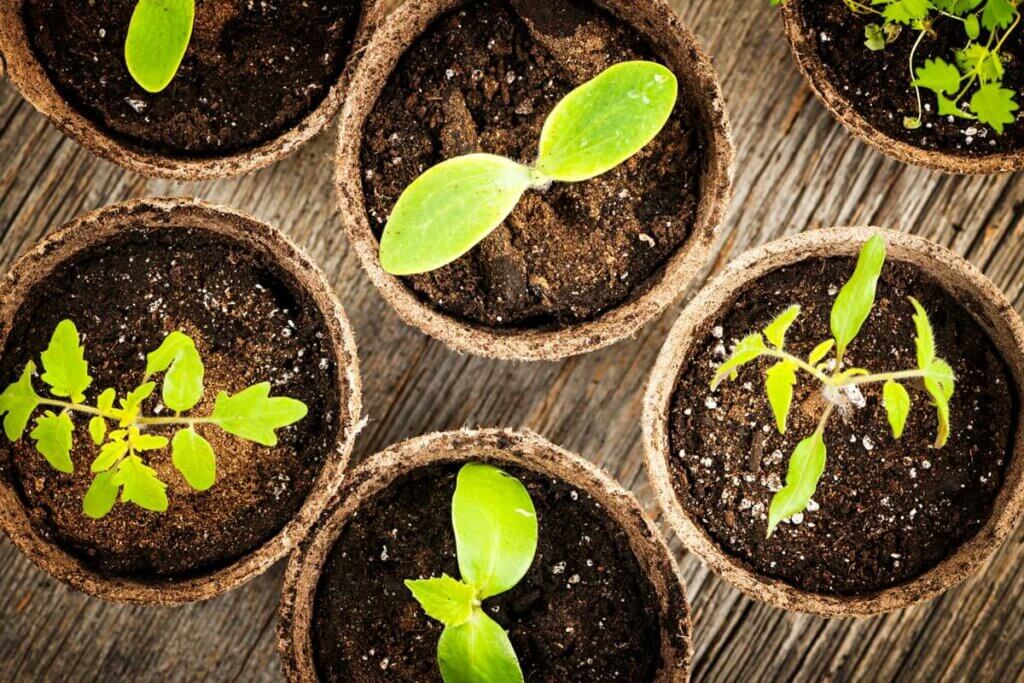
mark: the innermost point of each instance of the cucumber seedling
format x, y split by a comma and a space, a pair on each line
120, 467
158, 36
850, 309
454, 205
495, 539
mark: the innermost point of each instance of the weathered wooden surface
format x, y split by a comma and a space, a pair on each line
797, 169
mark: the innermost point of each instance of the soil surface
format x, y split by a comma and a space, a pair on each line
885, 510
877, 84
483, 79
583, 612
252, 69
251, 323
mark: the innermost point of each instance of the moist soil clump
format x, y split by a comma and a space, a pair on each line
877, 84
251, 323
584, 611
885, 511
483, 78
252, 70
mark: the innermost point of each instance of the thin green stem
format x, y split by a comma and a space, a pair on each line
67, 405
174, 420
116, 416
823, 420
881, 377
913, 78
800, 363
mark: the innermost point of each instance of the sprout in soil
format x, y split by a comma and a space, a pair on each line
851, 308
158, 35
451, 207
967, 85
495, 539
119, 468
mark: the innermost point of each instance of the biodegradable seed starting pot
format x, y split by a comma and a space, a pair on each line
257, 80
870, 89
133, 277
602, 599
892, 521
576, 266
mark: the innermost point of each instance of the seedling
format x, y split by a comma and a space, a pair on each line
158, 35
120, 468
850, 309
454, 205
967, 85
495, 539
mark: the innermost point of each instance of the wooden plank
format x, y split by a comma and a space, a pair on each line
797, 169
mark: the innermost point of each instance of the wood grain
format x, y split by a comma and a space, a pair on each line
797, 170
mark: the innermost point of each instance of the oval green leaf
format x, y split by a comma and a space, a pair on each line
606, 120
805, 468
448, 210
897, 406
778, 384
854, 302
158, 35
194, 458
477, 650
101, 496
495, 528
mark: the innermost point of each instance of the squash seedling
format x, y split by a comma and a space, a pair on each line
158, 36
119, 468
454, 205
495, 539
850, 309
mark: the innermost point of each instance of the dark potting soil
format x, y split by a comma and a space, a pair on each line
878, 83
251, 323
484, 78
885, 510
252, 70
584, 612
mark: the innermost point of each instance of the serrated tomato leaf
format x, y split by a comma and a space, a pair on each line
64, 365
254, 415
17, 403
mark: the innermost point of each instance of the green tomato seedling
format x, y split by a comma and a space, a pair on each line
119, 468
850, 309
495, 539
968, 85
158, 36
454, 205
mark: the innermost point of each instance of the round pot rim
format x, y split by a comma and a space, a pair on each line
840, 106
523, 448
988, 305
30, 78
659, 23
168, 214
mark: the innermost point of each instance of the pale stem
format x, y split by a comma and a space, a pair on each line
800, 363
881, 377
138, 421
917, 88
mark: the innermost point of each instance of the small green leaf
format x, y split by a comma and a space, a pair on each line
805, 468
158, 36
939, 382
776, 330
445, 599
18, 402
132, 403
183, 383
874, 37
194, 458
252, 414
448, 210
140, 485
972, 26
819, 352
606, 120
998, 14
477, 651
779, 381
987, 63
110, 453
53, 439
101, 496
897, 406
495, 528
925, 339
749, 348
64, 366
854, 301
97, 429
938, 76
105, 401
994, 105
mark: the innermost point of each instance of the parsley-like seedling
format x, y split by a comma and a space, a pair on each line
969, 83
454, 205
850, 309
120, 467
158, 35
495, 539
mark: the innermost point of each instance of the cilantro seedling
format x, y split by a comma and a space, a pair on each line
850, 309
120, 467
158, 35
454, 205
968, 84
495, 539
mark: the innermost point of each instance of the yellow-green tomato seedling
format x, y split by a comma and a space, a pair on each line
158, 36
495, 527
454, 205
